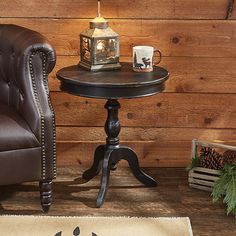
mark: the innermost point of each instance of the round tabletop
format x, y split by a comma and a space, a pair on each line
115, 84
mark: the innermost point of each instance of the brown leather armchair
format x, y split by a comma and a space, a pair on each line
27, 122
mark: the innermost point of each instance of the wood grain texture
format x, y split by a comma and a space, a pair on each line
153, 154
165, 147
204, 38
145, 9
162, 110
188, 74
126, 197
199, 51
137, 134
203, 178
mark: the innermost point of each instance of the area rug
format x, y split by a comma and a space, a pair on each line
93, 226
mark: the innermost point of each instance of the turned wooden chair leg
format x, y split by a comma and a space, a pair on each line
45, 188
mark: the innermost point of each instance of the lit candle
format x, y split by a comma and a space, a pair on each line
100, 46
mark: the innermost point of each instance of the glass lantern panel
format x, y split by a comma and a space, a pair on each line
86, 49
106, 51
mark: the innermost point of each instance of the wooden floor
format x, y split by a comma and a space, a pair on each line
126, 197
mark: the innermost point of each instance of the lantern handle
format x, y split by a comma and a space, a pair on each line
99, 8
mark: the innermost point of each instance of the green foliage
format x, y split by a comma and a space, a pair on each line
226, 187
195, 163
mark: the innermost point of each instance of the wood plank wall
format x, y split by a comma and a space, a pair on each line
199, 48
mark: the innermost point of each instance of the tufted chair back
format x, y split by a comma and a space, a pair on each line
17, 53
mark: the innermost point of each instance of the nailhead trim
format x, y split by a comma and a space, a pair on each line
45, 82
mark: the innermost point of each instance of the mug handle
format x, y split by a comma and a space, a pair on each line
160, 55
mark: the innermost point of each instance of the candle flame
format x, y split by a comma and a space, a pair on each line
100, 46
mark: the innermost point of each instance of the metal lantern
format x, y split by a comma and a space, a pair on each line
99, 46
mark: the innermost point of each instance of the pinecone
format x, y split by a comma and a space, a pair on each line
229, 157
211, 159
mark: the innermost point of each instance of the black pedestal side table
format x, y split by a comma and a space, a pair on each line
113, 85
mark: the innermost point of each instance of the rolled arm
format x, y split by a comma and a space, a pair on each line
28, 59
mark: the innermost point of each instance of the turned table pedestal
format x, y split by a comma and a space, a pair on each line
112, 86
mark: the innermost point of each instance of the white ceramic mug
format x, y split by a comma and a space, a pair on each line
143, 58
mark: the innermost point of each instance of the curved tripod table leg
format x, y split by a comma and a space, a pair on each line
105, 177
129, 155
97, 163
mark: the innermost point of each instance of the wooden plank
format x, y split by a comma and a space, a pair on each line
125, 197
206, 38
152, 154
200, 187
162, 110
154, 146
168, 9
188, 74
201, 182
195, 175
203, 178
206, 170
135, 134
215, 145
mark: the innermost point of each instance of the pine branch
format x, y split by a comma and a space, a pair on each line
194, 163
219, 188
226, 187
230, 197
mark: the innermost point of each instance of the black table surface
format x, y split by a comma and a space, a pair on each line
124, 83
